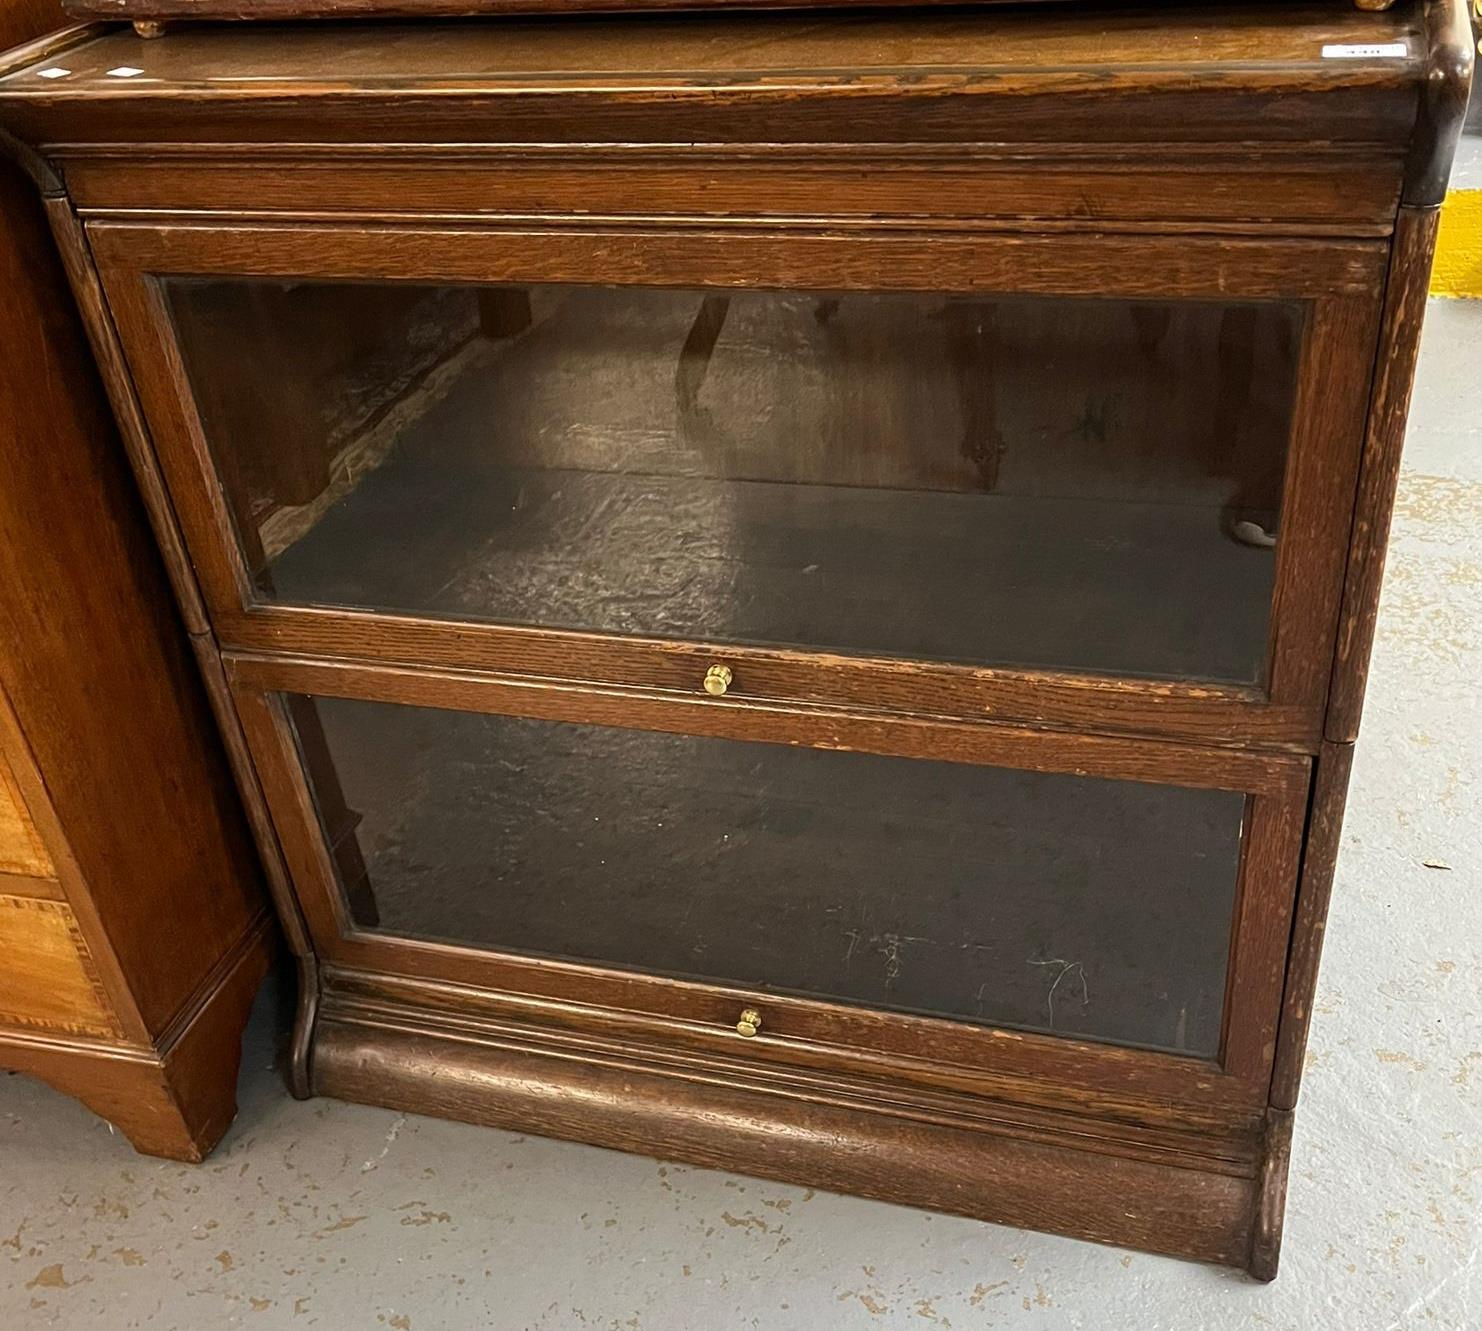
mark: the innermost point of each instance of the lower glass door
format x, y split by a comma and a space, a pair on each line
1076, 906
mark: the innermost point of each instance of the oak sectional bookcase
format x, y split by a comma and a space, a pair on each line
787, 594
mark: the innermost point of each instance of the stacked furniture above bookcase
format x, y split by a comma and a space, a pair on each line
789, 593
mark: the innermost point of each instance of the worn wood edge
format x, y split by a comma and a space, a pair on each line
1024, 261
305, 1023
837, 80
240, 10
1389, 403
164, 179
1183, 1211
1157, 1113
87, 290
103, 180
201, 1055
37, 1043
103, 336
253, 947
1270, 1209
35, 164
49, 44
1321, 843
1226, 716
264, 832
1005, 224
1336, 363
1002, 743
1314, 892
1106, 157
1443, 102
29, 885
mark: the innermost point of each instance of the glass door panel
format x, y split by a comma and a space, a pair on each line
1079, 484
1077, 906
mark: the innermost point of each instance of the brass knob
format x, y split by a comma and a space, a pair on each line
750, 1023
717, 680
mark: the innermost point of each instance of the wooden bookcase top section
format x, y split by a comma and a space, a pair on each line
1203, 74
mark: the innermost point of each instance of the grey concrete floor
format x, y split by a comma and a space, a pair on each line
336, 1216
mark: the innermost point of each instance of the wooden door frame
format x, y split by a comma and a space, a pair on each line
811, 1033
1337, 280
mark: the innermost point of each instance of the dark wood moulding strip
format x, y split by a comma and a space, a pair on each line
970, 188
681, 256
1394, 377
569, 1030
1217, 714
788, 723
1319, 863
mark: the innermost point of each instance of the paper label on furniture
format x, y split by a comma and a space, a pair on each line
1372, 51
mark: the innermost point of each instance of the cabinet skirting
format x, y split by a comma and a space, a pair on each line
1195, 1195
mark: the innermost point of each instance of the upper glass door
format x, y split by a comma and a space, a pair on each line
1070, 484
1069, 479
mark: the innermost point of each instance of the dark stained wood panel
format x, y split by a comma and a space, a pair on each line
1252, 41
1198, 74
1239, 189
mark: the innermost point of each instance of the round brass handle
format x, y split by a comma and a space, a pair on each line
750, 1023
718, 680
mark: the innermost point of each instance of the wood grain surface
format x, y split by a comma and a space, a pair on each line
126, 877
1204, 152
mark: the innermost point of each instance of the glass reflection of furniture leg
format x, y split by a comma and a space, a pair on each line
972, 332
699, 347
694, 356
1242, 453
340, 821
503, 311
1151, 323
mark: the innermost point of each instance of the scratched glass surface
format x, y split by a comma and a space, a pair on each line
1078, 484
1076, 906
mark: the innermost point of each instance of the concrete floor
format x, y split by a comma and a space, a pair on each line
330, 1215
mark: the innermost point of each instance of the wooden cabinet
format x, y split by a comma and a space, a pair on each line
787, 595
133, 929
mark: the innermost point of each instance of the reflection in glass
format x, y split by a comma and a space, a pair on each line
1078, 484
1084, 907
